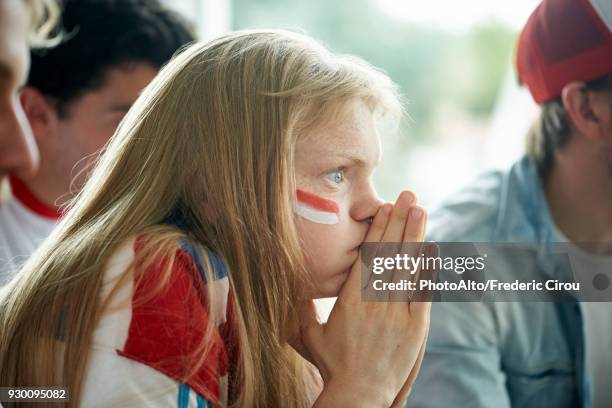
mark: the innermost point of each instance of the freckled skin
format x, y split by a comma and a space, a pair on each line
350, 142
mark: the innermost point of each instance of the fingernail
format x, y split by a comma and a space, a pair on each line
416, 213
407, 199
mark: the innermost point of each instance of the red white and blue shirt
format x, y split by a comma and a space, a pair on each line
143, 345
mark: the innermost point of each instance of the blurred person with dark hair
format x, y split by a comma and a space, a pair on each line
74, 98
22, 23
538, 354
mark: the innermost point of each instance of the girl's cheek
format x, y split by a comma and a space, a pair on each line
317, 209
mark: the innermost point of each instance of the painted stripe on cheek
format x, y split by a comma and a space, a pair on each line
317, 202
316, 209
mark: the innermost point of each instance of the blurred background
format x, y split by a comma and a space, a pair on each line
452, 61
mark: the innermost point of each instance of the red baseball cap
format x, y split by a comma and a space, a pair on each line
564, 41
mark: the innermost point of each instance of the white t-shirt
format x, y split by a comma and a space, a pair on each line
597, 318
25, 222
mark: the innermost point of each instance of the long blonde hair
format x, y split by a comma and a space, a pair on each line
213, 136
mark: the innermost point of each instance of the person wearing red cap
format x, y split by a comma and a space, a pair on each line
539, 354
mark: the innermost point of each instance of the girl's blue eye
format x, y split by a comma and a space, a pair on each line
336, 176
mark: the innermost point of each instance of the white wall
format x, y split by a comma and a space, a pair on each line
211, 17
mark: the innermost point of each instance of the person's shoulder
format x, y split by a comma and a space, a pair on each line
168, 309
150, 260
21, 232
20, 224
12, 213
189, 270
469, 214
205, 261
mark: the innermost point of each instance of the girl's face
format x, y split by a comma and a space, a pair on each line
336, 197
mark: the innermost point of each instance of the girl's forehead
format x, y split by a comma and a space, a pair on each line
353, 134
361, 147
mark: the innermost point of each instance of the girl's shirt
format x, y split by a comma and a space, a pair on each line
144, 346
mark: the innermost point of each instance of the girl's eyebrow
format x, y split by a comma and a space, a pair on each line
358, 159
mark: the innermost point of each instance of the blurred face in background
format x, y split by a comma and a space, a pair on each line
336, 197
78, 91
70, 137
91, 120
18, 152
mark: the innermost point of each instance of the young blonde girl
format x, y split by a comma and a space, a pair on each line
183, 269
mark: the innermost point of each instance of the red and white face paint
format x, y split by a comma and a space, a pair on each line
316, 209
